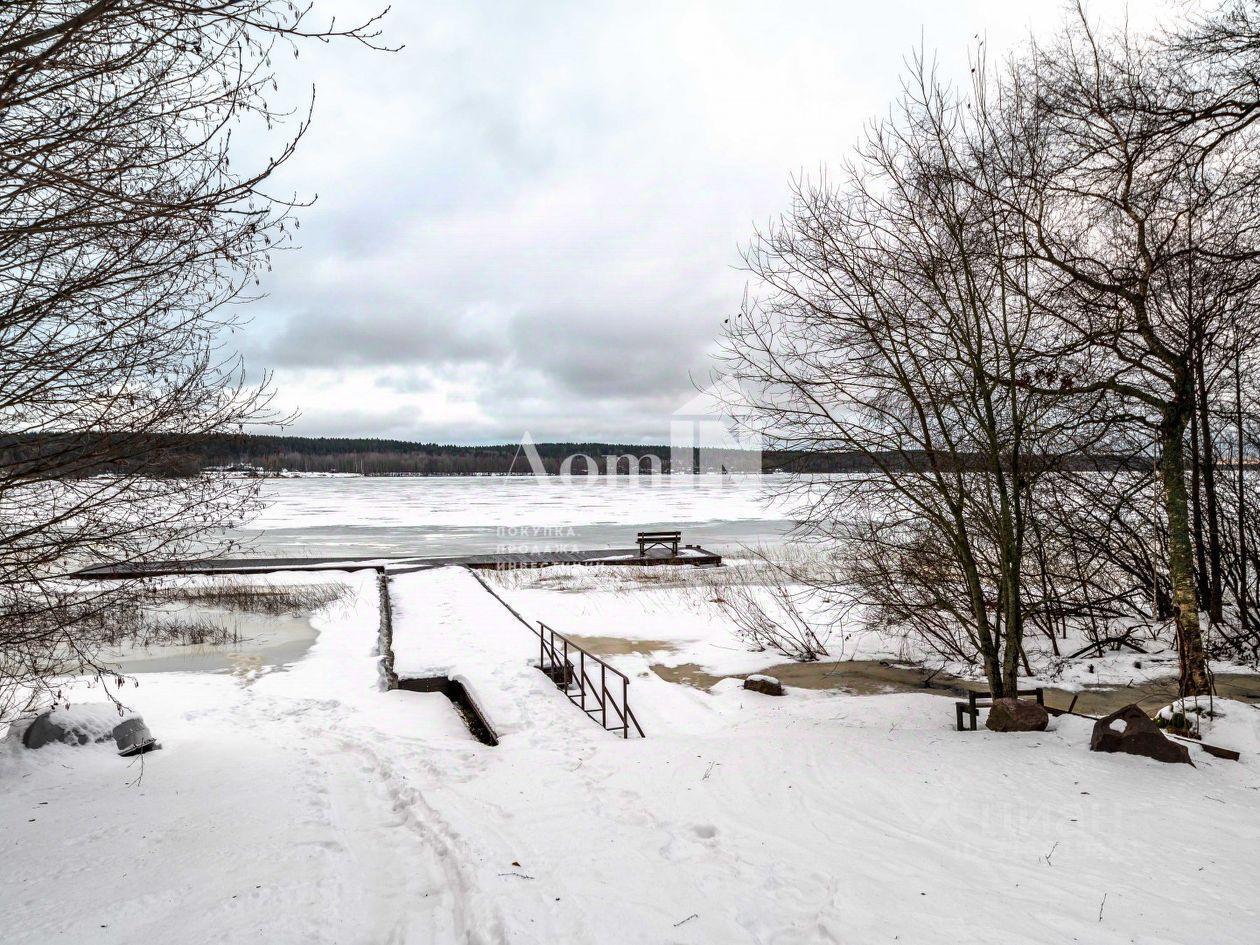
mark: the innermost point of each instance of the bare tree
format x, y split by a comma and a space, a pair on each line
890, 319
126, 238
1135, 211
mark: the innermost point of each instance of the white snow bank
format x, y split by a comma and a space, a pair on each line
447, 624
274, 812
1226, 723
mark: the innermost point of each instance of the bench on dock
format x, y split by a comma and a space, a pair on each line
668, 540
984, 700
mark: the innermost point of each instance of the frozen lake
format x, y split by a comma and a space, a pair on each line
478, 515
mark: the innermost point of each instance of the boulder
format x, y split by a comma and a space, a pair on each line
72, 725
766, 685
89, 723
1131, 731
1015, 715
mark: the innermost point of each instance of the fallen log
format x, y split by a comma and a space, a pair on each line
1116, 642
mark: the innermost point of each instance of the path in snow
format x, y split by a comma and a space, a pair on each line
274, 812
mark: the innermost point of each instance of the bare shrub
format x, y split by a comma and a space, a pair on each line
775, 617
269, 599
153, 630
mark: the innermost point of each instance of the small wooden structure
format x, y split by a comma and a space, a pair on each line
670, 540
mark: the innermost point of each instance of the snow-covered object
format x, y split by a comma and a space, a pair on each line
767, 685
1226, 723
133, 737
74, 725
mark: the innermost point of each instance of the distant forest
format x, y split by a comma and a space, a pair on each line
190, 455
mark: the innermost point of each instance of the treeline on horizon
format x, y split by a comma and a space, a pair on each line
191, 455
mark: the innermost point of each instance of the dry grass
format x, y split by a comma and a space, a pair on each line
149, 630
272, 600
157, 620
763, 567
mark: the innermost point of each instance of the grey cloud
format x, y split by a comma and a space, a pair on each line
621, 354
528, 218
339, 338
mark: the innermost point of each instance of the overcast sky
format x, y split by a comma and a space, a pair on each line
530, 218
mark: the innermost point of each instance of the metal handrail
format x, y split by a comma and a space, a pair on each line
554, 660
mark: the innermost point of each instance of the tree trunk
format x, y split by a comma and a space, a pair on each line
1014, 614
1194, 678
1242, 501
1208, 457
1196, 510
986, 641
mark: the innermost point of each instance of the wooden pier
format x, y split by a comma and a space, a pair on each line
692, 555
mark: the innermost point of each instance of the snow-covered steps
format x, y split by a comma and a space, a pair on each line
460, 698
446, 625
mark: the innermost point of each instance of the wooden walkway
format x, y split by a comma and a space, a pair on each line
692, 555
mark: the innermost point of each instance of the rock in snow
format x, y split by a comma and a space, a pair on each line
1129, 730
73, 725
90, 722
1015, 715
766, 685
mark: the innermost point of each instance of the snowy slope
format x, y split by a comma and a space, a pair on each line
309, 806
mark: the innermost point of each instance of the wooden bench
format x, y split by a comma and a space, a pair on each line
668, 540
973, 705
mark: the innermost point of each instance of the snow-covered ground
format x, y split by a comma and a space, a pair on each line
309, 806
674, 618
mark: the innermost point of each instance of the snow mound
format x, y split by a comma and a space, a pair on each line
70, 725
1227, 723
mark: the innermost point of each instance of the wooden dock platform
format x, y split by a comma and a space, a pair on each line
692, 555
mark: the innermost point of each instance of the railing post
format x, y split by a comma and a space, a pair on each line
582, 680
625, 709
541, 647
603, 694
564, 667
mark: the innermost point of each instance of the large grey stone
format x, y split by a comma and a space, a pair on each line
73, 725
766, 685
1131, 731
1017, 715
